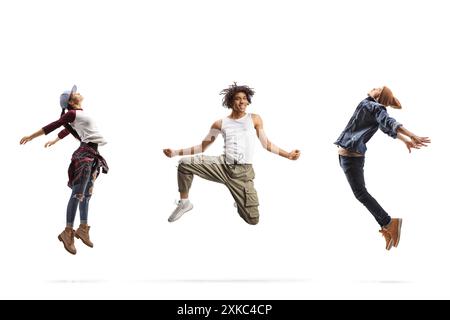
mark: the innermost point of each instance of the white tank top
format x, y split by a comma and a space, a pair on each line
239, 139
86, 128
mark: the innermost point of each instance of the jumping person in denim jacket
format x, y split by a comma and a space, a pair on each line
370, 115
84, 167
234, 168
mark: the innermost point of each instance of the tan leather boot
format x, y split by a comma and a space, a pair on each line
394, 228
83, 234
67, 238
387, 237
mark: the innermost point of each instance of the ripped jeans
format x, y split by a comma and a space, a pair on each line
81, 194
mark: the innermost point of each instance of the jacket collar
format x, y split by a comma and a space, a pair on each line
370, 98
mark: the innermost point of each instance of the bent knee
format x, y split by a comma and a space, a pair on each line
187, 160
361, 194
249, 214
252, 221
78, 196
183, 165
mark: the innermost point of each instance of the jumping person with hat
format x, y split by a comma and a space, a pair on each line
84, 167
370, 115
234, 168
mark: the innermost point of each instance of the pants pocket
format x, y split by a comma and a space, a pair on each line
251, 202
251, 197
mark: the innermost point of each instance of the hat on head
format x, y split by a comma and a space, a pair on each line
386, 98
65, 97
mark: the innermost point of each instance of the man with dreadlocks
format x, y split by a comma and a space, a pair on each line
233, 168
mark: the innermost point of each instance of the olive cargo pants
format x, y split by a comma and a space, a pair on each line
238, 178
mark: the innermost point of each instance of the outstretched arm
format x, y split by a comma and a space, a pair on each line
207, 141
416, 142
68, 117
419, 141
61, 135
268, 145
26, 139
396, 130
51, 142
409, 143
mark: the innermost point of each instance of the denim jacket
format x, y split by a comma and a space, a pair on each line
367, 118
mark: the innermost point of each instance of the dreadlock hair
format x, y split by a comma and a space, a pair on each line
231, 91
68, 126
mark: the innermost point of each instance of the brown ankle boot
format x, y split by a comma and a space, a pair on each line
83, 234
394, 228
67, 239
388, 238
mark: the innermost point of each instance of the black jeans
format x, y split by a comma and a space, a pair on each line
354, 171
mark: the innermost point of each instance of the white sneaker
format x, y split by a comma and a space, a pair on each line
181, 209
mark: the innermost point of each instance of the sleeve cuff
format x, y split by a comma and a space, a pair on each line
395, 128
46, 130
63, 133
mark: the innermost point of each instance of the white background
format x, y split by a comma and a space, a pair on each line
151, 73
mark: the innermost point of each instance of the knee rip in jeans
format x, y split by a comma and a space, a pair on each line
79, 196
